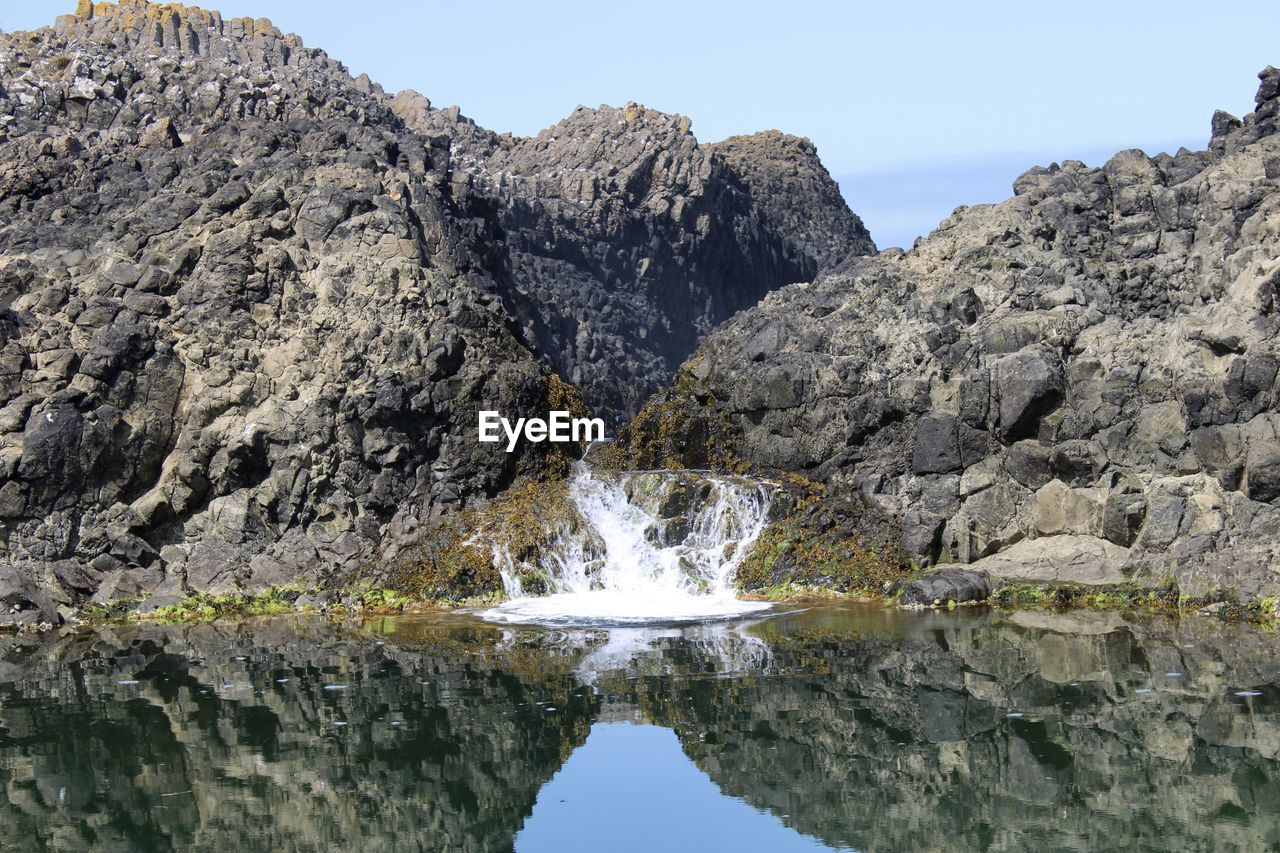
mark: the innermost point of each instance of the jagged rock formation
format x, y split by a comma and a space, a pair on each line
626, 240
247, 322
251, 305
1082, 378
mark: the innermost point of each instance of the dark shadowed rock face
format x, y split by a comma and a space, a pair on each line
1086, 372
626, 240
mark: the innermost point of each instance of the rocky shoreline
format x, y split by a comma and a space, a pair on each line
957, 589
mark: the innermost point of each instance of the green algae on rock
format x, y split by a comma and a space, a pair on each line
826, 541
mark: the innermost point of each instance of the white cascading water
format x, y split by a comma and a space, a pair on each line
619, 571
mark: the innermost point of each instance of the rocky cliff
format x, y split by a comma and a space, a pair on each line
1079, 383
250, 305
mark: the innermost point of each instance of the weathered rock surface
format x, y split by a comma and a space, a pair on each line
250, 305
957, 585
247, 323
1078, 559
1091, 363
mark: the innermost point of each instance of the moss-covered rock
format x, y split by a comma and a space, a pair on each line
460, 556
1062, 596
676, 430
823, 540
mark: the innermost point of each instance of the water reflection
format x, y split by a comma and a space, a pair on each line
837, 726
630, 787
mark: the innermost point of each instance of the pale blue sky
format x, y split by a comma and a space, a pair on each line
916, 105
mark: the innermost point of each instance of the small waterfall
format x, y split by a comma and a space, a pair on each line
648, 546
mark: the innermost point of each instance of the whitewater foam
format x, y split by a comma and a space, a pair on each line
652, 547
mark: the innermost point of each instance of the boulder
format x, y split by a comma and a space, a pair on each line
1029, 462
1028, 385
1122, 518
1058, 559
944, 444
25, 603
940, 587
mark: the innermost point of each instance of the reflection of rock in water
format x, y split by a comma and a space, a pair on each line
211, 749
719, 648
909, 744
871, 729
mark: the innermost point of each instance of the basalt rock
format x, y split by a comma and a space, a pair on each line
1077, 383
948, 585
246, 317
250, 306
626, 240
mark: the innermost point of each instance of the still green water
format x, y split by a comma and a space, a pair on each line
837, 727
